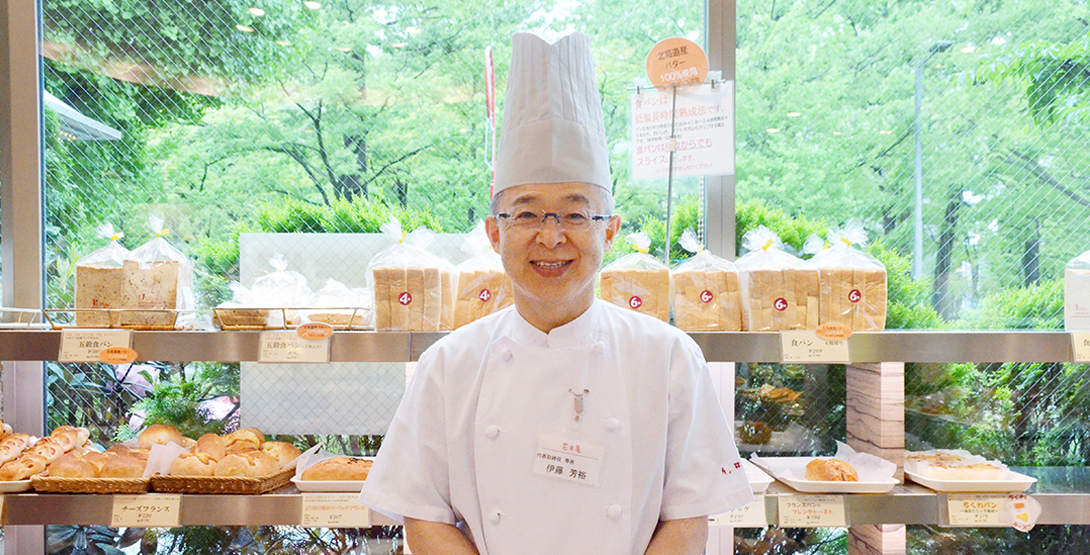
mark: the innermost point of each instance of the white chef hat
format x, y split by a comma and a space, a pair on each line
552, 129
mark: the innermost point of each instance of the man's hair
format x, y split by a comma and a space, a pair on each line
604, 199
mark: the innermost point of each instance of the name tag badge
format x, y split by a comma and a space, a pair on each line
571, 460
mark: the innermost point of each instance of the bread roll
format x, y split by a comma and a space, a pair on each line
24, 467
79, 435
246, 439
212, 445
965, 472
47, 448
348, 469
193, 464
97, 459
159, 434
12, 446
283, 452
830, 470
249, 464
72, 466
123, 466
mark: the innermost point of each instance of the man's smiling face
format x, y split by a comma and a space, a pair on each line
552, 264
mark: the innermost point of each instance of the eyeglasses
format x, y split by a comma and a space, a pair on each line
568, 221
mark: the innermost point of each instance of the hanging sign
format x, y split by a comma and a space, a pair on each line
702, 120
676, 61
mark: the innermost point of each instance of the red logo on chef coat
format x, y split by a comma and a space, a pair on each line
635, 302
485, 295
855, 296
405, 298
706, 296
780, 304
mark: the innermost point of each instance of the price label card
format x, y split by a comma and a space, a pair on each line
812, 511
87, 345
805, 347
749, 516
1080, 345
287, 346
146, 511
335, 510
967, 509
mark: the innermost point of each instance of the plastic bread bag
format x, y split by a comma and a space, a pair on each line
1077, 293
158, 279
706, 290
414, 289
241, 312
282, 288
341, 306
637, 281
483, 285
779, 290
100, 277
852, 283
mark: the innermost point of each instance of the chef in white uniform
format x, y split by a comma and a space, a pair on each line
563, 424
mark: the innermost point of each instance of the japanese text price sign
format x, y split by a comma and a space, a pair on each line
81, 345
805, 347
749, 516
812, 511
1080, 345
335, 510
287, 346
975, 509
146, 511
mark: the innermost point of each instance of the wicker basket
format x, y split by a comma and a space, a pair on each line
221, 484
56, 484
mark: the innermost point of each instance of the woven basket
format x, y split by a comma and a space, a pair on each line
57, 484
221, 484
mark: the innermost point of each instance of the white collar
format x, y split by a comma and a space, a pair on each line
579, 331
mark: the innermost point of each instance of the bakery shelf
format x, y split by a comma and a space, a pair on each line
1064, 494
362, 346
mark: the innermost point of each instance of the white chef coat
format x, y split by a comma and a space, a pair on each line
462, 447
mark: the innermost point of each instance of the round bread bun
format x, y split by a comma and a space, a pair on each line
48, 449
211, 444
830, 470
72, 466
282, 451
346, 469
193, 464
122, 466
245, 439
159, 434
249, 464
188, 442
22, 468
